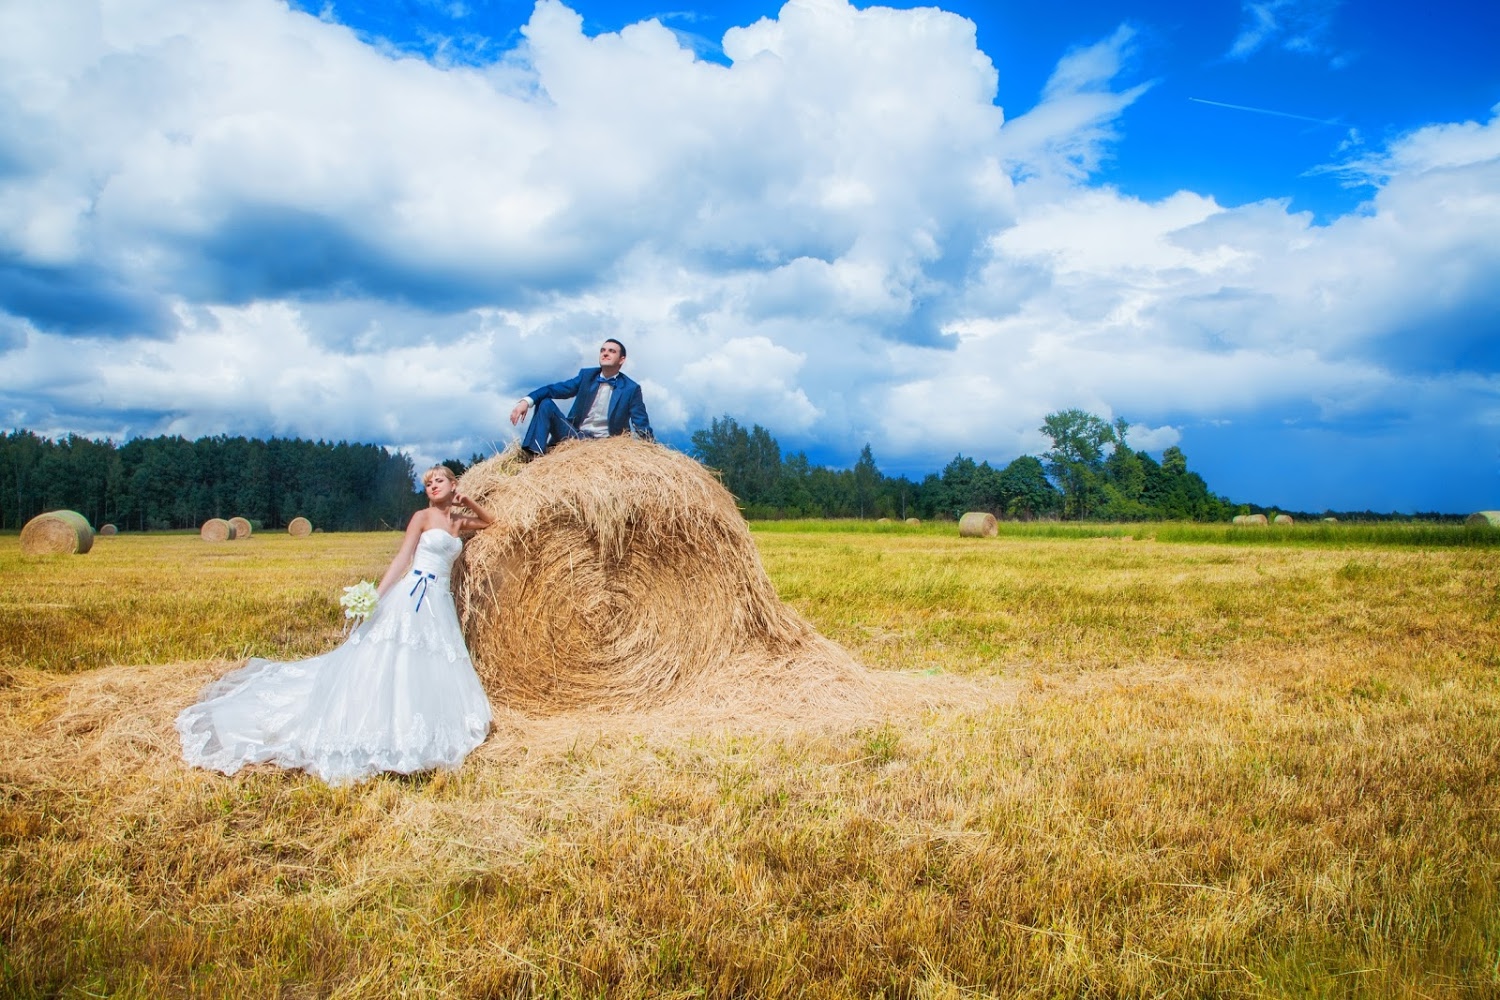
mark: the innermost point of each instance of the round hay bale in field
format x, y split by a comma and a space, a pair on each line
299, 527
1285, 519
1490, 517
914, 521
882, 520
1250, 519
977, 524
1330, 520
108, 530
216, 529
620, 574
57, 533
241, 527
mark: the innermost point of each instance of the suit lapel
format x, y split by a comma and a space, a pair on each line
586, 393
617, 403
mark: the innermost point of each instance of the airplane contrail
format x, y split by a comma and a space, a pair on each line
1268, 111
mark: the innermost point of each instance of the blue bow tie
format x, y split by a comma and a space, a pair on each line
611, 382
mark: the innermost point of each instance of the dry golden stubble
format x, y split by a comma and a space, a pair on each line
1205, 772
164, 597
1155, 826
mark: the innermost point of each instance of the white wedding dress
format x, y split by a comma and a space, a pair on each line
399, 695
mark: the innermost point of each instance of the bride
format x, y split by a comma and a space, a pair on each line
399, 695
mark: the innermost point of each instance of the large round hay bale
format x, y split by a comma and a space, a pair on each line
1491, 517
620, 574
216, 529
1284, 519
1250, 519
57, 533
914, 521
299, 527
107, 530
241, 527
978, 524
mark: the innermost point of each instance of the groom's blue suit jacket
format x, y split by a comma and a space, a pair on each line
627, 408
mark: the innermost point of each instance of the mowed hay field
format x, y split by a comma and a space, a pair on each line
1110, 767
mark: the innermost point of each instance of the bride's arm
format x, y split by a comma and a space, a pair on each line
481, 519
402, 560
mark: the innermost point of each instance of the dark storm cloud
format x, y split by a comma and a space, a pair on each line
83, 300
278, 252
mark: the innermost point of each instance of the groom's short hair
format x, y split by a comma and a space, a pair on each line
623, 353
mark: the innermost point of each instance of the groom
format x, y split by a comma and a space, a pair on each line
606, 402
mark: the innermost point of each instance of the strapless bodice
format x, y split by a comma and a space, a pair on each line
436, 550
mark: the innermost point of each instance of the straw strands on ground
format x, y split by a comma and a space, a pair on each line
216, 529
620, 575
299, 527
977, 524
57, 533
241, 527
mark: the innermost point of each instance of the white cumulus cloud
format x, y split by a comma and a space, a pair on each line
241, 218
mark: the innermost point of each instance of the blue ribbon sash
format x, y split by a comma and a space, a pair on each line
421, 582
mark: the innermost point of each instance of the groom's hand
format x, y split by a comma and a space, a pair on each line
519, 411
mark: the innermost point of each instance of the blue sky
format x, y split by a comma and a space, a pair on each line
1268, 233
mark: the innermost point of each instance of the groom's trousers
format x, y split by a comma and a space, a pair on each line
548, 426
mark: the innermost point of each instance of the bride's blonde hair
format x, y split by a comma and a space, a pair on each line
427, 476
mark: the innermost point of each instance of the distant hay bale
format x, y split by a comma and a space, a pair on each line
1330, 520
1250, 519
882, 520
619, 574
1285, 519
107, 530
216, 529
241, 527
914, 521
57, 533
299, 527
1490, 517
977, 524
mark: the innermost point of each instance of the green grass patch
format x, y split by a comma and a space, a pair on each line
1355, 534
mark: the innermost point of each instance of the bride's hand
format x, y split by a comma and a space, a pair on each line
480, 517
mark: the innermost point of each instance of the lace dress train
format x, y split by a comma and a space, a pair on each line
399, 695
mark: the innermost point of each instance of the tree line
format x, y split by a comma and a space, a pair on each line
1090, 472
150, 484
169, 482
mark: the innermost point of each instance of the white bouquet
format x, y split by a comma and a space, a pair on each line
360, 599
